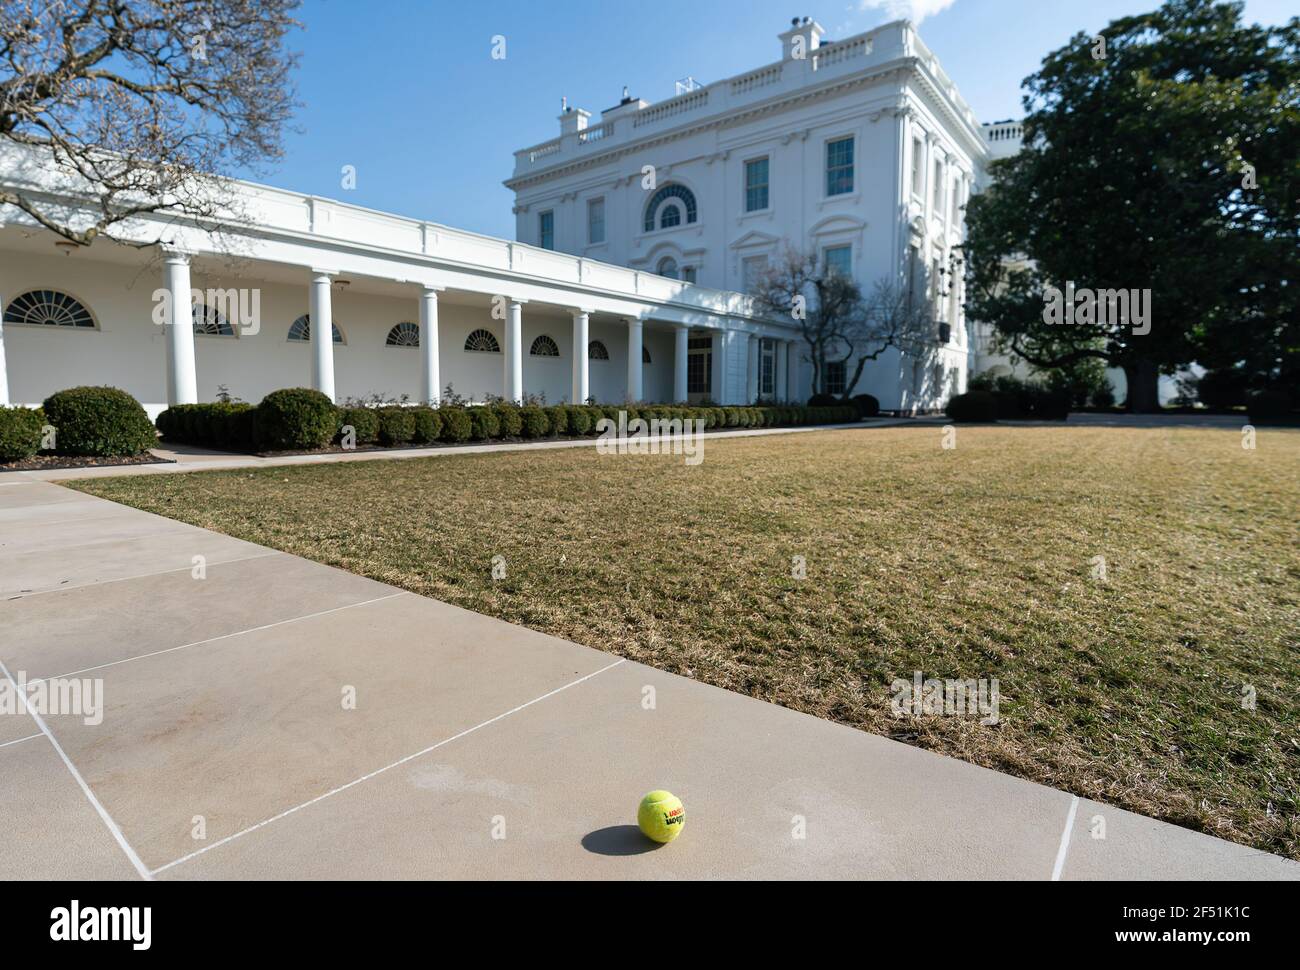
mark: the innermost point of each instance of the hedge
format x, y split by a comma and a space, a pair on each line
99, 421
972, 406
20, 432
364, 423
300, 419
294, 419
396, 426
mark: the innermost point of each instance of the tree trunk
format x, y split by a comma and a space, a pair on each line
1143, 378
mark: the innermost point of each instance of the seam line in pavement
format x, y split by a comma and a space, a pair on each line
224, 636
21, 740
379, 771
1065, 839
100, 542
127, 579
90, 795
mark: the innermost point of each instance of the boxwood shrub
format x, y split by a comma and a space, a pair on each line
20, 432
293, 419
972, 406
396, 426
579, 420
456, 425
428, 425
364, 423
100, 421
512, 424
558, 415
535, 422
485, 424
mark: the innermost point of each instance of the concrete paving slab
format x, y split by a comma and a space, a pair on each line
1141, 848
562, 779
241, 730
85, 507
29, 493
41, 570
68, 631
48, 830
111, 525
17, 725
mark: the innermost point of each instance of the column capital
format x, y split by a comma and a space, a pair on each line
515, 301
580, 311
317, 273
429, 290
174, 254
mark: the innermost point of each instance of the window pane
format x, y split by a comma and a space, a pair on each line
839, 166
546, 230
756, 185
835, 376
596, 221
839, 260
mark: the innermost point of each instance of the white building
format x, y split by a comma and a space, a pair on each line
415, 306
861, 150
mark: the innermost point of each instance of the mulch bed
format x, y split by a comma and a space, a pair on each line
46, 463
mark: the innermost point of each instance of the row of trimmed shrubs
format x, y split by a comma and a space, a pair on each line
1009, 399
298, 419
101, 422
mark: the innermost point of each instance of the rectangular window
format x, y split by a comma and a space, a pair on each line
936, 193
699, 365
952, 201
756, 185
918, 159
836, 376
766, 368
595, 221
751, 270
839, 166
838, 260
688, 274
546, 230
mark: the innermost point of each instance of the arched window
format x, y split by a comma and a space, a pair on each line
48, 308
211, 322
300, 330
596, 350
668, 268
544, 346
645, 355
482, 342
682, 198
404, 334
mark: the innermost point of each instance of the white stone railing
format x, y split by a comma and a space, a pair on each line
757, 79
598, 133
839, 53
690, 101
1004, 131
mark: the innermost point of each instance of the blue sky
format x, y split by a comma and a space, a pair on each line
408, 93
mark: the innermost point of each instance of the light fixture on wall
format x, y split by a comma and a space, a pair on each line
342, 284
68, 248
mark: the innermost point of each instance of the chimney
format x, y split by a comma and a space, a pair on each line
803, 37
572, 119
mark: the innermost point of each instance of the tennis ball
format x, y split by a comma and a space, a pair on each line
661, 816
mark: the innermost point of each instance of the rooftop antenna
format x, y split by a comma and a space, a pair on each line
626, 96
564, 103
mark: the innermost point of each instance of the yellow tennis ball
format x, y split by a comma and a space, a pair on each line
661, 816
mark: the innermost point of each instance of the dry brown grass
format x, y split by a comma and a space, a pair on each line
967, 563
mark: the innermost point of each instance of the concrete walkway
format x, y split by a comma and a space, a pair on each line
230, 746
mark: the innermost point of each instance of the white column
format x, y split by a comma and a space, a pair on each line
751, 388
718, 377
4, 373
514, 362
430, 374
182, 382
635, 343
581, 363
783, 370
681, 353
320, 305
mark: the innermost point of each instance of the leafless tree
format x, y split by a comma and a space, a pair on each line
140, 104
838, 323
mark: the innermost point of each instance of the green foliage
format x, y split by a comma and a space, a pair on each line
456, 425
396, 426
364, 423
1021, 400
1224, 388
512, 423
866, 405
294, 419
1133, 175
485, 423
101, 421
1079, 381
972, 406
536, 424
558, 415
428, 425
20, 432
579, 420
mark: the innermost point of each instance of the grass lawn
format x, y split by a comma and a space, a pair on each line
965, 563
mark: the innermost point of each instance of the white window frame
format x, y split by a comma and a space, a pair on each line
744, 185
604, 229
852, 139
